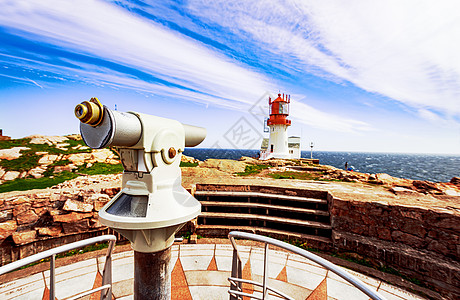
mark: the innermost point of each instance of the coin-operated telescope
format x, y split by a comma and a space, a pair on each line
152, 204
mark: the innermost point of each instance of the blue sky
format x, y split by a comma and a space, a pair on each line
363, 76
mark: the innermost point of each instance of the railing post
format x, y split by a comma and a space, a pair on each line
107, 273
264, 283
52, 277
240, 273
235, 274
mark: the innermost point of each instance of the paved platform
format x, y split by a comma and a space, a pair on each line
200, 272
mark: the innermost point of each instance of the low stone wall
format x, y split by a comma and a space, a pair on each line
33, 222
420, 243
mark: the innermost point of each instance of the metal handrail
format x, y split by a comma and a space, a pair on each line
106, 274
235, 290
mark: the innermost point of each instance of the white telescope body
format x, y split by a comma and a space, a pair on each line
125, 129
152, 204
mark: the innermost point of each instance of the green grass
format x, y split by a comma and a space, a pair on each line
50, 179
295, 175
252, 169
187, 164
301, 176
101, 168
63, 162
95, 247
29, 160
24, 184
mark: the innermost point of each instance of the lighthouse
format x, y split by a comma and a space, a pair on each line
278, 145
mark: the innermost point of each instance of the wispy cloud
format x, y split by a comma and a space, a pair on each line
187, 68
405, 50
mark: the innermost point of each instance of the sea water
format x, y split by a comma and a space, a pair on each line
432, 167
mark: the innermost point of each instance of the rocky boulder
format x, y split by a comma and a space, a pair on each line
455, 181
78, 206
13, 153
426, 187
251, 160
7, 228
50, 140
48, 159
11, 175
75, 137
189, 159
37, 172
224, 165
24, 237
389, 180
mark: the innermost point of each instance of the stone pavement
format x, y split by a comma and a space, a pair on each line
200, 272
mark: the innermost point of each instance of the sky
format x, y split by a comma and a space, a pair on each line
367, 76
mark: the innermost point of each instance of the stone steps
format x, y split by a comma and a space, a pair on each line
265, 206
259, 195
294, 213
209, 229
295, 222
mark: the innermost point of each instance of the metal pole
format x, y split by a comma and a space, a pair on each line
264, 284
53, 277
152, 275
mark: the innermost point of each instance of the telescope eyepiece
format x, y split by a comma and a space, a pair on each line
90, 112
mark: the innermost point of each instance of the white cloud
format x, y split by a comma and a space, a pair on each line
406, 50
105, 31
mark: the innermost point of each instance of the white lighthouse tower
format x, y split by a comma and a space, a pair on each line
278, 144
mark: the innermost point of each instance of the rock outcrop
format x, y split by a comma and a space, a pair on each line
55, 162
13, 153
224, 165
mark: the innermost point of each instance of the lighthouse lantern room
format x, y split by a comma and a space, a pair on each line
278, 145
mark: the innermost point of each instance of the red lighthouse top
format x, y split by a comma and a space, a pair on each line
279, 110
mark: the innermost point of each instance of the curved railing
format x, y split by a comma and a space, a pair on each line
106, 274
236, 281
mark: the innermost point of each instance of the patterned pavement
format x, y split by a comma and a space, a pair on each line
200, 272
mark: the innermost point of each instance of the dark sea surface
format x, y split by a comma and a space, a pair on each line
432, 167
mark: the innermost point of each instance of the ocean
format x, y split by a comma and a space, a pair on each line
432, 167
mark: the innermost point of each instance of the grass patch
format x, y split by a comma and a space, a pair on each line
14, 143
187, 164
29, 160
63, 162
304, 175
303, 245
186, 235
101, 168
24, 184
296, 175
95, 247
252, 169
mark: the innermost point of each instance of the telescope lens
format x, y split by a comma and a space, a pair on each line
79, 111
90, 112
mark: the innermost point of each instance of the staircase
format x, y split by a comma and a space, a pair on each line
293, 214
